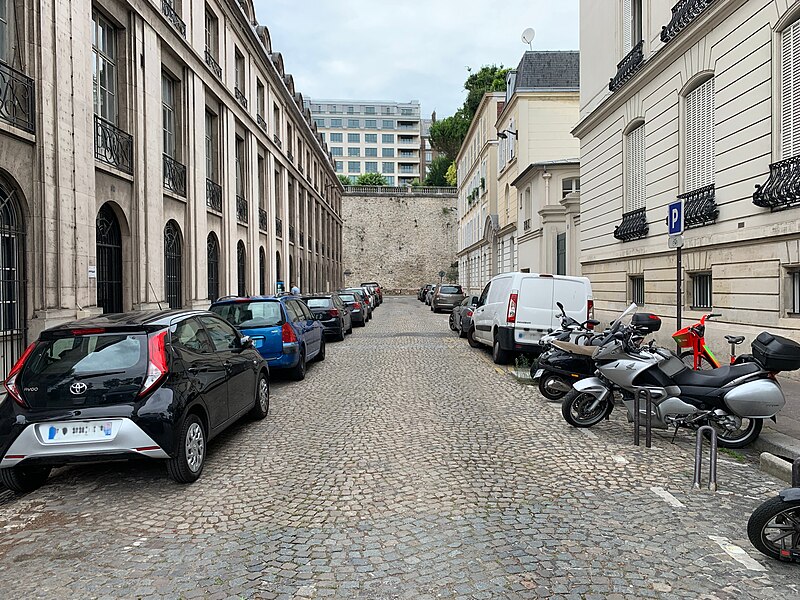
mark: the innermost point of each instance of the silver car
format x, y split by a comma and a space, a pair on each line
430, 293
447, 297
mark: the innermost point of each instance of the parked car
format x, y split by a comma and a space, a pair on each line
157, 384
282, 329
377, 288
516, 309
447, 297
430, 293
334, 315
367, 299
374, 289
461, 316
356, 305
423, 292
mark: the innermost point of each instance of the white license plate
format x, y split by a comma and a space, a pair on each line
78, 431
538, 374
258, 342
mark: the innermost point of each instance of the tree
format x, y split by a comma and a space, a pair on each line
345, 180
489, 79
448, 134
371, 179
452, 175
437, 172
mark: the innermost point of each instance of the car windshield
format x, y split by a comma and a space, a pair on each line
251, 315
87, 354
347, 297
450, 289
318, 302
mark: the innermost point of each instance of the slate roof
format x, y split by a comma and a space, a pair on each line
548, 70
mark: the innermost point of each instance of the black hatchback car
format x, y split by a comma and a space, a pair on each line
334, 314
155, 384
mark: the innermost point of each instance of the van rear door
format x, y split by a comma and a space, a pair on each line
573, 293
534, 309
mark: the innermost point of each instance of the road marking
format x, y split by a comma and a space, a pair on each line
620, 460
588, 433
736, 553
667, 497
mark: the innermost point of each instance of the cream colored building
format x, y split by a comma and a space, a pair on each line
150, 152
701, 105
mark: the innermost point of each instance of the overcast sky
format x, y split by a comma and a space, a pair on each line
409, 50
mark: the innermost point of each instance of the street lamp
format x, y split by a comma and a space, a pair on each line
507, 132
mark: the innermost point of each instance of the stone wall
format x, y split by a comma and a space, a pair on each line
400, 238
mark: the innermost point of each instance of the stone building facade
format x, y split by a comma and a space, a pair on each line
401, 237
695, 101
151, 152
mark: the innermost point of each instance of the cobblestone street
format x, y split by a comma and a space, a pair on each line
406, 465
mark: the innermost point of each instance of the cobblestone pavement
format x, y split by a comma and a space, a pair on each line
405, 466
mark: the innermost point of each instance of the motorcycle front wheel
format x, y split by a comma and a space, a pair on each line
548, 386
744, 435
576, 409
775, 526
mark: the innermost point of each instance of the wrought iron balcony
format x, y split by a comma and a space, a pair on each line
526, 225
782, 188
277, 140
291, 233
174, 176
683, 13
213, 195
627, 67
240, 97
263, 220
169, 11
699, 207
300, 168
633, 227
291, 156
17, 99
241, 210
112, 145
212, 64
278, 227
302, 239
261, 122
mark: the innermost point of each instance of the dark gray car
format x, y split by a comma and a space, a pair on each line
334, 314
461, 317
447, 297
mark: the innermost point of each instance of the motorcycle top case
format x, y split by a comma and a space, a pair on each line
776, 353
646, 322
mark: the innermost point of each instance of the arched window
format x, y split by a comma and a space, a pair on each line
699, 137
109, 260
241, 269
262, 271
291, 271
790, 90
278, 273
212, 248
12, 279
173, 265
635, 192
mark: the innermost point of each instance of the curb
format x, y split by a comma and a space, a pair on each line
776, 466
778, 444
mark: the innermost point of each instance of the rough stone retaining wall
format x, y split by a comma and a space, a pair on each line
401, 240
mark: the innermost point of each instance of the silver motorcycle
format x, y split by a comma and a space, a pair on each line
733, 399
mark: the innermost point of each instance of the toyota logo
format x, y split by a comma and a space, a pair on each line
78, 388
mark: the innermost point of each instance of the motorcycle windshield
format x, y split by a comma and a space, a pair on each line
627, 315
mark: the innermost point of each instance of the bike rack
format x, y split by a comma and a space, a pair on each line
698, 458
796, 474
648, 419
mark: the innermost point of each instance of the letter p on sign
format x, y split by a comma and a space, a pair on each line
675, 218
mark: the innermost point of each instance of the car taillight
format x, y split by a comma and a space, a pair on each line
89, 331
156, 361
357, 305
11, 382
287, 334
511, 316
334, 312
469, 313
589, 313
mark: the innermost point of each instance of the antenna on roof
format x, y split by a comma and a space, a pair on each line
154, 294
528, 35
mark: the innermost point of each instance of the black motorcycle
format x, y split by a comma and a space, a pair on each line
774, 527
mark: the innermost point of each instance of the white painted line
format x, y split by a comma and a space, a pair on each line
736, 553
588, 433
620, 460
667, 497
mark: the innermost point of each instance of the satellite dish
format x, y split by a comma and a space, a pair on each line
528, 35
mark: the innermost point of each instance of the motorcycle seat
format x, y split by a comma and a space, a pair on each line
734, 339
715, 378
575, 348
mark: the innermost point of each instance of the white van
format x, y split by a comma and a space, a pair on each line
515, 310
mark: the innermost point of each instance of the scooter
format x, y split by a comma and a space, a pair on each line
733, 399
774, 527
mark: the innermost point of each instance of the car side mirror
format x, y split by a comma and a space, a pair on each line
245, 342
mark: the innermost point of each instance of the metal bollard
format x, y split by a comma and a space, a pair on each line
648, 419
636, 419
796, 474
698, 458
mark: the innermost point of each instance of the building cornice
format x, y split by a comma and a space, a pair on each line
532, 95
487, 98
657, 62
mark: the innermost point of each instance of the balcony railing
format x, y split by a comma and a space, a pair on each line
17, 99
261, 122
683, 13
291, 233
213, 195
169, 12
300, 168
278, 227
174, 176
526, 225
212, 64
628, 67
240, 97
699, 207
782, 188
291, 156
241, 210
277, 140
112, 145
633, 227
263, 220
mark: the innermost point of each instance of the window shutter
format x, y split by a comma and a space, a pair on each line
700, 160
635, 170
627, 26
790, 91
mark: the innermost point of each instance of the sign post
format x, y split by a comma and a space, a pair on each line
441, 276
675, 227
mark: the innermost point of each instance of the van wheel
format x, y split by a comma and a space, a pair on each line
471, 338
187, 464
22, 479
500, 356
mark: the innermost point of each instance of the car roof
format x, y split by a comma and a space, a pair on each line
239, 299
130, 319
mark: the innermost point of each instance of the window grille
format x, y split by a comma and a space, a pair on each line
701, 290
637, 289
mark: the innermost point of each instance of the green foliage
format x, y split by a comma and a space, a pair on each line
448, 134
345, 180
371, 179
490, 78
437, 173
452, 175
415, 182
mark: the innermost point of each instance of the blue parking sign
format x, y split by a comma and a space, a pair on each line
675, 218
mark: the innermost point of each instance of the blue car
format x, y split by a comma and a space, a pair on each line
282, 329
